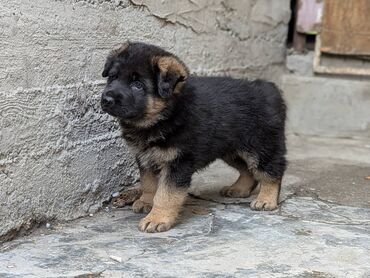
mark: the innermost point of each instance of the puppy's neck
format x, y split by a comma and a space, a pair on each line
151, 118
152, 133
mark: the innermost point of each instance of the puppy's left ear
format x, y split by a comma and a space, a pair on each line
171, 74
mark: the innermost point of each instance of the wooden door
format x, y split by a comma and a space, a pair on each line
346, 27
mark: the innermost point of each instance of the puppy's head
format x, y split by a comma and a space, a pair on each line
142, 79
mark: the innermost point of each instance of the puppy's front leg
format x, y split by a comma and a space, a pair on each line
168, 201
149, 184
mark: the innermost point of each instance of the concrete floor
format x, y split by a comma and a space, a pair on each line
322, 228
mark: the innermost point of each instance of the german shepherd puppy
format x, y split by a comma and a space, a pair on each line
177, 124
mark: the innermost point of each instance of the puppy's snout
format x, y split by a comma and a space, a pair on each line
106, 100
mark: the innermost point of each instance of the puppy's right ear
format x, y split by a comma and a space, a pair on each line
112, 56
107, 67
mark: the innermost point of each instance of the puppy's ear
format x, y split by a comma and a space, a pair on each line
114, 54
107, 67
171, 74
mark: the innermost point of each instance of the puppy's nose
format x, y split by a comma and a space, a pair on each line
107, 101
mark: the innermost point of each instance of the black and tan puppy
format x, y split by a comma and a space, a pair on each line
177, 124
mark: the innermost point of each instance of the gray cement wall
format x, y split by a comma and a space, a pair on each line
60, 157
324, 105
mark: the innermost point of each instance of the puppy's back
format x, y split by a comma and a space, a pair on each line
239, 95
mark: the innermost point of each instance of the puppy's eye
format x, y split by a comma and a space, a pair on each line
137, 85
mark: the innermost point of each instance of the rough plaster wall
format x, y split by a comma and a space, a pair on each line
60, 157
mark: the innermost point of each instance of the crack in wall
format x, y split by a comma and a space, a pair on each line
165, 18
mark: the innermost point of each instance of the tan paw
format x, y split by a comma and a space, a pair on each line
141, 207
234, 192
155, 222
264, 204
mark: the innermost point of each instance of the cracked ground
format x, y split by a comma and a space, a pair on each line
321, 229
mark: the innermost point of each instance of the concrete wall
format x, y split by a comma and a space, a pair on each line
60, 157
325, 105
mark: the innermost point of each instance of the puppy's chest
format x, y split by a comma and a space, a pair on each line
156, 157
148, 153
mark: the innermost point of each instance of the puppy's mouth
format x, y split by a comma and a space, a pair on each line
120, 112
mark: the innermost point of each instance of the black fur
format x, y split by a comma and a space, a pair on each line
209, 118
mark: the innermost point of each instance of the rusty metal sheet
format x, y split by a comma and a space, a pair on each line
309, 16
346, 27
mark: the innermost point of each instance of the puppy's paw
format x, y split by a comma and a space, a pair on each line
156, 222
261, 203
141, 207
234, 192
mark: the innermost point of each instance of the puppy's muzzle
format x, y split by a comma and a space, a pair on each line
107, 101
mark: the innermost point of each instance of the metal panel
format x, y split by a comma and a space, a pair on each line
346, 27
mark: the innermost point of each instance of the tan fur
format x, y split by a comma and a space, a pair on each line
175, 66
168, 202
178, 87
156, 105
157, 156
153, 112
252, 163
262, 176
149, 185
171, 64
268, 196
242, 188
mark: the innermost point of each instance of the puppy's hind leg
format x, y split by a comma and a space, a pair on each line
244, 185
269, 175
268, 197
